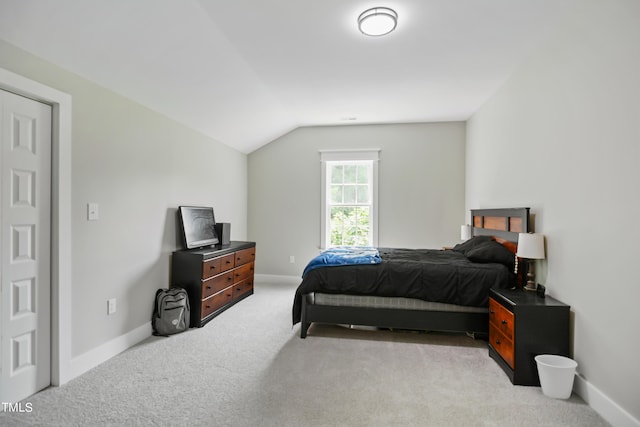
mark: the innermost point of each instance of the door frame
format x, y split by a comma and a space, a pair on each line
60, 215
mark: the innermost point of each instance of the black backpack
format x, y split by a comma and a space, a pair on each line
171, 312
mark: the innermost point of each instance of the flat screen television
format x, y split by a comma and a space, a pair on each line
198, 226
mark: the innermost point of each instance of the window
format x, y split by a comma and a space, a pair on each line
349, 198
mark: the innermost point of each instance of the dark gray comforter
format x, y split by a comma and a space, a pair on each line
426, 274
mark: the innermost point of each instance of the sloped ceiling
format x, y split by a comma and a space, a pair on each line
247, 71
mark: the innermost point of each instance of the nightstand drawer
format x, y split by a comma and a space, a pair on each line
503, 345
501, 318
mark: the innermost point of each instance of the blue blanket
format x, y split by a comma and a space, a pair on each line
345, 255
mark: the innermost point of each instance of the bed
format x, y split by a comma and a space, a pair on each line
420, 289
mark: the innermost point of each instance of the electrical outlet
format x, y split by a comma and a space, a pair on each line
292, 259
111, 306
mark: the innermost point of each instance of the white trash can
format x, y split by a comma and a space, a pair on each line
556, 375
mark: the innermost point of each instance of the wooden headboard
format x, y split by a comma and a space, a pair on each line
505, 223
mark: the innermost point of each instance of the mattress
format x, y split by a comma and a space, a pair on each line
342, 300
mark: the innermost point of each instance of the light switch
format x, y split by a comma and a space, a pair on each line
92, 211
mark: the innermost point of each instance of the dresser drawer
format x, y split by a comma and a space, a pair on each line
242, 288
242, 273
245, 256
211, 268
501, 318
227, 262
503, 345
216, 301
216, 284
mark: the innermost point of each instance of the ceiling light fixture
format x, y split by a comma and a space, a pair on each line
377, 21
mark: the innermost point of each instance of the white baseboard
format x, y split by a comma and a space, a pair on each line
104, 352
274, 278
603, 405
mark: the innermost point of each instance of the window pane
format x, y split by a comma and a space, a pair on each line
336, 215
336, 174
350, 226
363, 217
363, 194
363, 174
337, 226
349, 194
336, 194
336, 238
349, 215
350, 238
350, 174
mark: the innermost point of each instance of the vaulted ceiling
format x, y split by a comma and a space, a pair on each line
247, 71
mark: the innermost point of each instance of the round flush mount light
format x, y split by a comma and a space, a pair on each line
377, 21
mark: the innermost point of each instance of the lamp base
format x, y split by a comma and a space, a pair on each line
531, 283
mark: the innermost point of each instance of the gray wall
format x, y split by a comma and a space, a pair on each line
562, 137
138, 166
421, 189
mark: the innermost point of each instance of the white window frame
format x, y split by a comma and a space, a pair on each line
327, 156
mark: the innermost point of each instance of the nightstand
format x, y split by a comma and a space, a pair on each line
522, 326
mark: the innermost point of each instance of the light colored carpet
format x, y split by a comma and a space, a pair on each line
248, 367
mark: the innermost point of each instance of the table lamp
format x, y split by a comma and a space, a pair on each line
465, 232
530, 246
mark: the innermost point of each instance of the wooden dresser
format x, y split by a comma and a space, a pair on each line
522, 326
215, 278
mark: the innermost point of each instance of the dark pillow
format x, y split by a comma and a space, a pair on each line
471, 243
491, 251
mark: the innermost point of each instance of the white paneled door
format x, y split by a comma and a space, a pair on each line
25, 236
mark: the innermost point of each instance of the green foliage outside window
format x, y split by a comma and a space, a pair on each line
350, 226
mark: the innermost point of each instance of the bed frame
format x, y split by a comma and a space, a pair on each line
503, 223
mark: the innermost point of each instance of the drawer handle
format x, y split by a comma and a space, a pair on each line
229, 279
228, 262
492, 312
229, 295
504, 322
208, 287
498, 342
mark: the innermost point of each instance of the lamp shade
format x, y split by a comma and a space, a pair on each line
531, 246
465, 232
